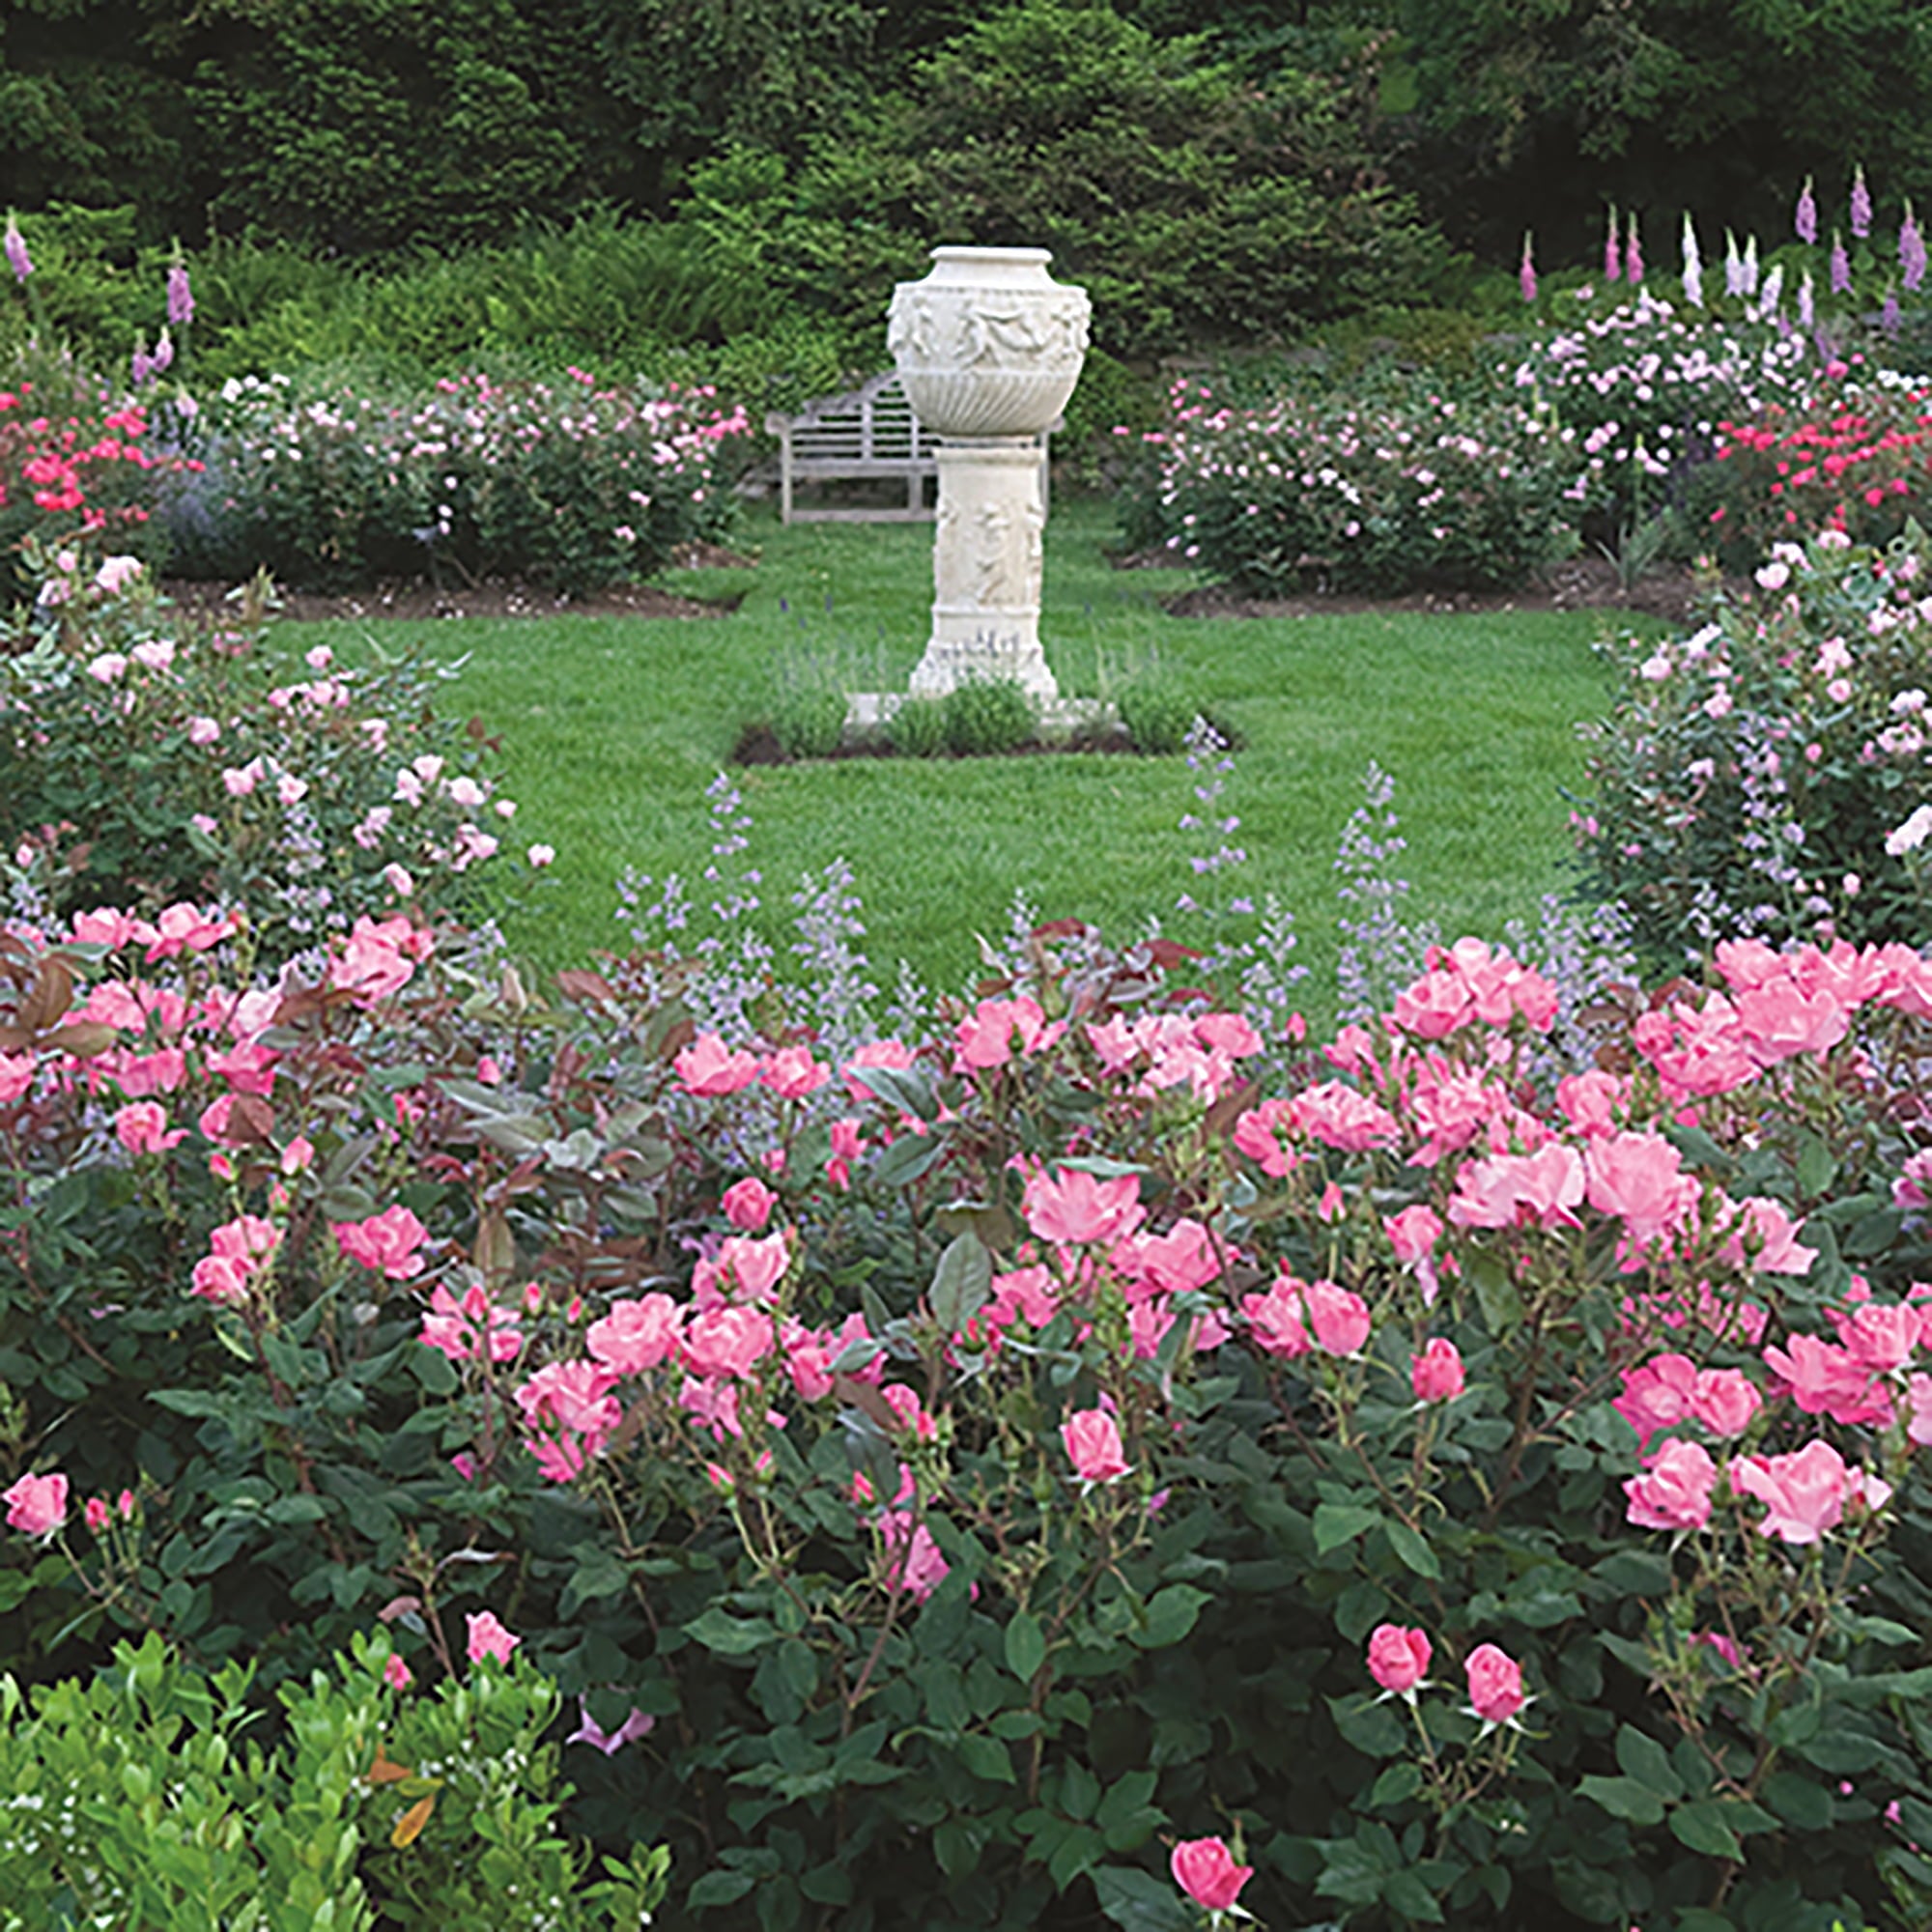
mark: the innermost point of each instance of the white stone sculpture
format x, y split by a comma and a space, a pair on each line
989, 348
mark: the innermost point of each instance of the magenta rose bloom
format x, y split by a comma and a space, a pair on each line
1204, 1869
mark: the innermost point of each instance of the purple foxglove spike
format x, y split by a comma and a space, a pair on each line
1747, 280
1734, 266
1634, 256
1888, 315
1693, 266
1861, 205
1911, 249
181, 297
164, 353
1842, 266
1526, 275
1807, 307
143, 369
1805, 219
17, 258
1613, 258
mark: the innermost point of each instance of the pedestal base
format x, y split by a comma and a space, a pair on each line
868, 713
987, 567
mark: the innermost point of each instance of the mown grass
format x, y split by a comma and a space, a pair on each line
611, 728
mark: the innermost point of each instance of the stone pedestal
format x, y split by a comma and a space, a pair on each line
989, 348
986, 563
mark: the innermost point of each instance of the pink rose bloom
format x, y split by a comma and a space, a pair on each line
1275, 1318
1881, 1336
1639, 1178
791, 1073
142, 1127
574, 1395
635, 1336
912, 1554
220, 1279
727, 1341
1919, 1423
748, 1203
396, 1673
709, 1068
1805, 1494
1072, 1206
989, 1035
387, 1242
1397, 1658
374, 962
36, 1505
1336, 1114
1338, 1315
16, 1076
1658, 1395
1093, 1446
1824, 1379
1513, 1190
1725, 1400
887, 1053
757, 1266
466, 1330
1204, 1869
1674, 1492
186, 928
1413, 1233
1436, 1374
1496, 1684
489, 1638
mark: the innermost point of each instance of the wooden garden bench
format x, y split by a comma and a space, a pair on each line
865, 435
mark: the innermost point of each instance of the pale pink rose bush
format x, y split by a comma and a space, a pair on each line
1047, 1358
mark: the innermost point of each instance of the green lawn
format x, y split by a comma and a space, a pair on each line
612, 728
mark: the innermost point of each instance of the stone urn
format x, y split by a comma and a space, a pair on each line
989, 347
988, 344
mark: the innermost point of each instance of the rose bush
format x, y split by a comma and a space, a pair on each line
1030, 1478
1762, 773
328, 479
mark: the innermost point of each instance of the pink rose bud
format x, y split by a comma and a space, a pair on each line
97, 1515
1496, 1684
748, 1203
1436, 1374
1204, 1869
1093, 1446
1397, 1658
396, 1674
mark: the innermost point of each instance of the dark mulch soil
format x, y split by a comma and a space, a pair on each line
1582, 583
492, 597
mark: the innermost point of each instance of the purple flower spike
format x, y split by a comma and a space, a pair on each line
1805, 219
1911, 249
1841, 266
1526, 275
17, 258
1634, 256
1613, 261
1861, 205
181, 299
1887, 317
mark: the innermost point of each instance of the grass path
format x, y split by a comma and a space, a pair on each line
611, 728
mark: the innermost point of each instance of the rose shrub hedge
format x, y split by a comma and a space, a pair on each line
1766, 773
948, 1470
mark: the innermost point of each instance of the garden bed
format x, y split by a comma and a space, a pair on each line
1582, 582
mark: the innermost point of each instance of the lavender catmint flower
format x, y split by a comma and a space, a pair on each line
1804, 218
1380, 953
1861, 204
17, 258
